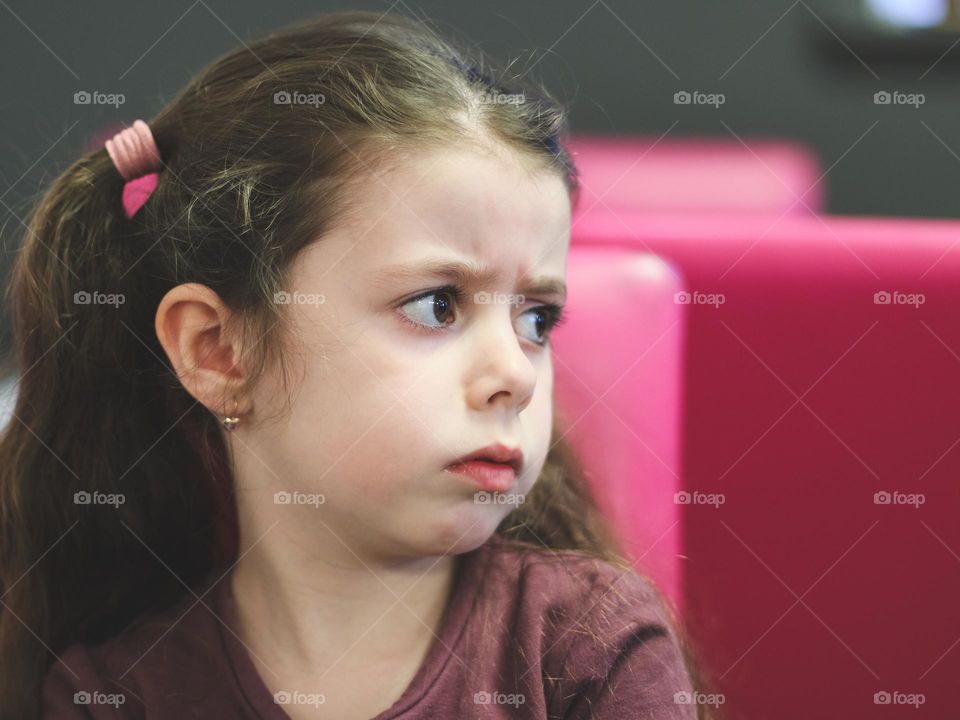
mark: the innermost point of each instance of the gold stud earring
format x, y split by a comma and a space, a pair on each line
230, 422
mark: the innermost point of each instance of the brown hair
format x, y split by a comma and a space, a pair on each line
248, 181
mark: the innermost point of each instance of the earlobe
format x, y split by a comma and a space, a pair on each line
191, 326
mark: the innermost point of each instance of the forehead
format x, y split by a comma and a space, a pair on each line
470, 202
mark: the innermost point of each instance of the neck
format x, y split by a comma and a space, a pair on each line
333, 610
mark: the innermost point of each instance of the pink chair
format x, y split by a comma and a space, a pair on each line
617, 384
698, 174
821, 386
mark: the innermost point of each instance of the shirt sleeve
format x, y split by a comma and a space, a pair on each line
624, 660
74, 689
646, 679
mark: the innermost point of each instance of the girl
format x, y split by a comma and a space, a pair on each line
284, 442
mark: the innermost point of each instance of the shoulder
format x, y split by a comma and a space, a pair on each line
609, 642
79, 684
116, 678
580, 587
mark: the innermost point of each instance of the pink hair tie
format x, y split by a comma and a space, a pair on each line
137, 159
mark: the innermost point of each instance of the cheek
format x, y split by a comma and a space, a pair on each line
364, 433
537, 421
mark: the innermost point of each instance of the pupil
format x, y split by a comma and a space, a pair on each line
440, 304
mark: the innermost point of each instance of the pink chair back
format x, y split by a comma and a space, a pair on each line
617, 384
700, 174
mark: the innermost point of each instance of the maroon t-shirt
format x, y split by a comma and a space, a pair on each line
527, 634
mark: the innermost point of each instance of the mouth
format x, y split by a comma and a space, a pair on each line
488, 476
494, 468
497, 453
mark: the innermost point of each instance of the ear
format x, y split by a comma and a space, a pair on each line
191, 324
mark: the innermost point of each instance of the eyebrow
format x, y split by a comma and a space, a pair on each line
468, 273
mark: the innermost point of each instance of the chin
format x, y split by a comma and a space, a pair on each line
462, 531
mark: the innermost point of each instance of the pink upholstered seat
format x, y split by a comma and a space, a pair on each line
824, 387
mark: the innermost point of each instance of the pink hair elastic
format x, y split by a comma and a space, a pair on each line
137, 159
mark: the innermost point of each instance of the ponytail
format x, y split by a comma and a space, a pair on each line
103, 513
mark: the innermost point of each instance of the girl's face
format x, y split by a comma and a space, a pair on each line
400, 377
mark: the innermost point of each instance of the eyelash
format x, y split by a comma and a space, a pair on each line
555, 313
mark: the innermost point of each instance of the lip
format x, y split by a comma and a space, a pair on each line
488, 476
498, 453
493, 468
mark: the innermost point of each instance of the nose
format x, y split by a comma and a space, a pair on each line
500, 371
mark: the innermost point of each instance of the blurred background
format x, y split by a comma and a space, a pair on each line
773, 185
806, 70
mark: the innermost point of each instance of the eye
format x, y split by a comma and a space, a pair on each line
541, 321
431, 307
434, 310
